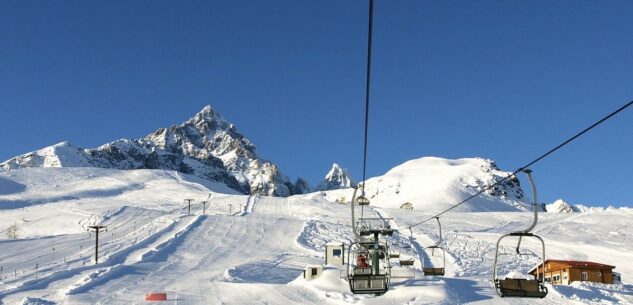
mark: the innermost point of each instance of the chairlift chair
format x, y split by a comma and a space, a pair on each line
407, 257
520, 287
433, 271
368, 267
394, 249
362, 200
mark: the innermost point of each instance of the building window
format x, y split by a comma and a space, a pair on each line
315, 272
584, 276
556, 278
336, 252
565, 277
548, 279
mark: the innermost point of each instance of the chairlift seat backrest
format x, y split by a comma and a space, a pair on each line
362, 200
433, 271
521, 288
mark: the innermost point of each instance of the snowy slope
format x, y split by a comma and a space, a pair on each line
433, 184
252, 249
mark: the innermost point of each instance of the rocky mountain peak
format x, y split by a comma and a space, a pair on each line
560, 206
336, 178
206, 145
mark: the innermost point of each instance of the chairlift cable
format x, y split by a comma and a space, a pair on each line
551, 151
368, 74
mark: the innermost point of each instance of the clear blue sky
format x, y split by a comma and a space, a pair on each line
505, 80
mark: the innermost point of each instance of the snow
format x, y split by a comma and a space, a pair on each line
434, 184
206, 145
59, 155
559, 206
253, 249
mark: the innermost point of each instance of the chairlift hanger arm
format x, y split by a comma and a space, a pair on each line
440, 227
528, 172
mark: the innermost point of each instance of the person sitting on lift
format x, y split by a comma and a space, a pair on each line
360, 261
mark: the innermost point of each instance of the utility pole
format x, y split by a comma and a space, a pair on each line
188, 205
204, 207
97, 229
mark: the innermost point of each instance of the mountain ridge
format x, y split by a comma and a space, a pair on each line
206, 145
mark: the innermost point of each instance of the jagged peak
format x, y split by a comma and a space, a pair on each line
560, 206
336, 178
62, 144
208, 114
335, 170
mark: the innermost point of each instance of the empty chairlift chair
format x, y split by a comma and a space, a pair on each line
407, 257
433, 271
521, 287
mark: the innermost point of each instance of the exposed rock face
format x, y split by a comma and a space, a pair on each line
301, 187
510, 188
336, 178
207, 145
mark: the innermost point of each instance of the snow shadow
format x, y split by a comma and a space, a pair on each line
110, 192
263, 272
316, 234
8, 187
467, 290
278, 270
587, 293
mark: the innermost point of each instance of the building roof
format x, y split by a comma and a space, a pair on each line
575, 264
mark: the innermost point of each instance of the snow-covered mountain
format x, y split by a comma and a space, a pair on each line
432, 184
336, 178
206, 145
561, 206
59, 155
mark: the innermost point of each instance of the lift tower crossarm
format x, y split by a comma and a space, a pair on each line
97, 229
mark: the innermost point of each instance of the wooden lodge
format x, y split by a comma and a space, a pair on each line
565, 272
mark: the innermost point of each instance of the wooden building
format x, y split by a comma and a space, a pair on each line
565, 272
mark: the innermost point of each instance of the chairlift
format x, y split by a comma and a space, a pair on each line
407, 257
368, 267
362, 200
521, 287
433, 271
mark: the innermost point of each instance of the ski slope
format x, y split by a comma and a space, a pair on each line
252, 249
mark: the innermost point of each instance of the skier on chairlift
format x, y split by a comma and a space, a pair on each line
360, 261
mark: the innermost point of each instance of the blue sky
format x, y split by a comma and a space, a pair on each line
505, 80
